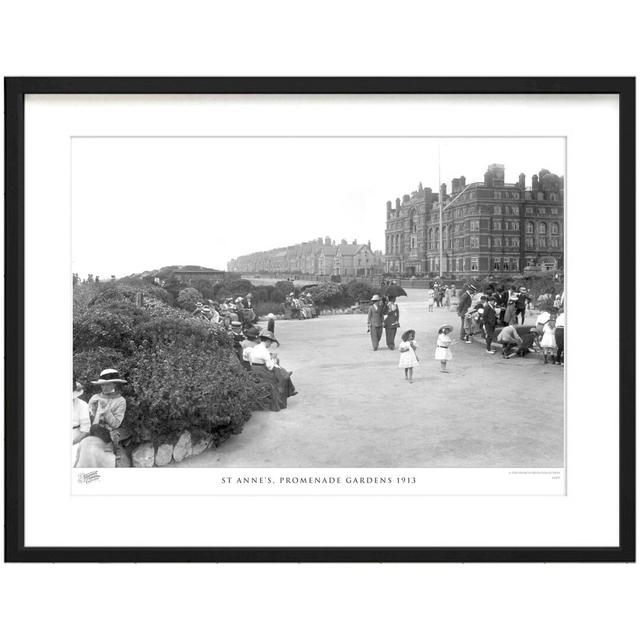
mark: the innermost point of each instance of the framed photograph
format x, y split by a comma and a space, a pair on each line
320, 319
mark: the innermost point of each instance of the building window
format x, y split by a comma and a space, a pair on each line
497, 225
529, 210
474, 225
542, 228
515, 195
505, 264
474, 264
529, 227
554, 228
515, 242
496, 264
554, 211
515, 264
555, 243
497, 195
542, 243
540, 195
554, 196
497, 209
497, 242
528, 243
514, 210
527, 195
458, 264
474, 242
541, 210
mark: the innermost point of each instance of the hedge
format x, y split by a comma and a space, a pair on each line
182, 372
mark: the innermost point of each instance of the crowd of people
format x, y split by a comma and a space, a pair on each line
301, 307
496, 315
502, 310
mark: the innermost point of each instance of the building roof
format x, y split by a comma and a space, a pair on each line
350, 249
184, 270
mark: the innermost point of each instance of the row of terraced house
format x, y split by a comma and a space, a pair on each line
317, 257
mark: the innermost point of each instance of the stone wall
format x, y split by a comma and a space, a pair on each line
146, 455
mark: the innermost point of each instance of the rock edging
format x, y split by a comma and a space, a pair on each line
145, 455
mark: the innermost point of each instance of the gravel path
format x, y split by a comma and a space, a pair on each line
354, 408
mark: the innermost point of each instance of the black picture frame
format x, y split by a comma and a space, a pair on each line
15, 91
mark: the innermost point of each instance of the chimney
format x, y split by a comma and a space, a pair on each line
463, 182
455, 185
534, 182
397, 206
488, 179
443, 191
388, 207
521, 179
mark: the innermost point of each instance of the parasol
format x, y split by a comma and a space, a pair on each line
394, 291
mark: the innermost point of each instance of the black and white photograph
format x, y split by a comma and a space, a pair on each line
318, 302
344, 314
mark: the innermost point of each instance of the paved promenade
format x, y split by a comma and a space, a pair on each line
354, 408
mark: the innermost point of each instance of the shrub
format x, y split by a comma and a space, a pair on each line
180, 330
175, 388
187, 298
263, 308
285, 286
182, 372
268, 294
329, 294
357, 290
233, 288
88, 364
102, 327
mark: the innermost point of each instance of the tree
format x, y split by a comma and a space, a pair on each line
187, 298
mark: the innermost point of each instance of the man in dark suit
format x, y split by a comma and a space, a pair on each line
463, 307
490, 319
374, 321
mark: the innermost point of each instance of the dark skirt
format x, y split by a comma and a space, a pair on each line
276, 387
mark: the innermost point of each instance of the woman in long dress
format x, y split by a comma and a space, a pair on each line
268, 369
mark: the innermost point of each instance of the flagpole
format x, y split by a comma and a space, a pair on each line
440, 209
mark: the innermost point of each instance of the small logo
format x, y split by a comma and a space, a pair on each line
89, 477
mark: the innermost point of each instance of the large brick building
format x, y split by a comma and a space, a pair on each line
318, 257
488, 227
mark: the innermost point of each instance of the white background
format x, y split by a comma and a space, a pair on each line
404, 601
587, 516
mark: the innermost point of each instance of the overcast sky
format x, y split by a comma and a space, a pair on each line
144, 203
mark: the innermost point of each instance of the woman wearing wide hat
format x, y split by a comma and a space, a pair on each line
267, 368
391, 322
108, 407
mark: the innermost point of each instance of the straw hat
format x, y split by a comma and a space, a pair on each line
445, 326
375, 298
78, 390
271, 316
108, 376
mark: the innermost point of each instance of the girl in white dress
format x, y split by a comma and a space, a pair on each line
548, 342
430, 299
408, 358
443, 346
